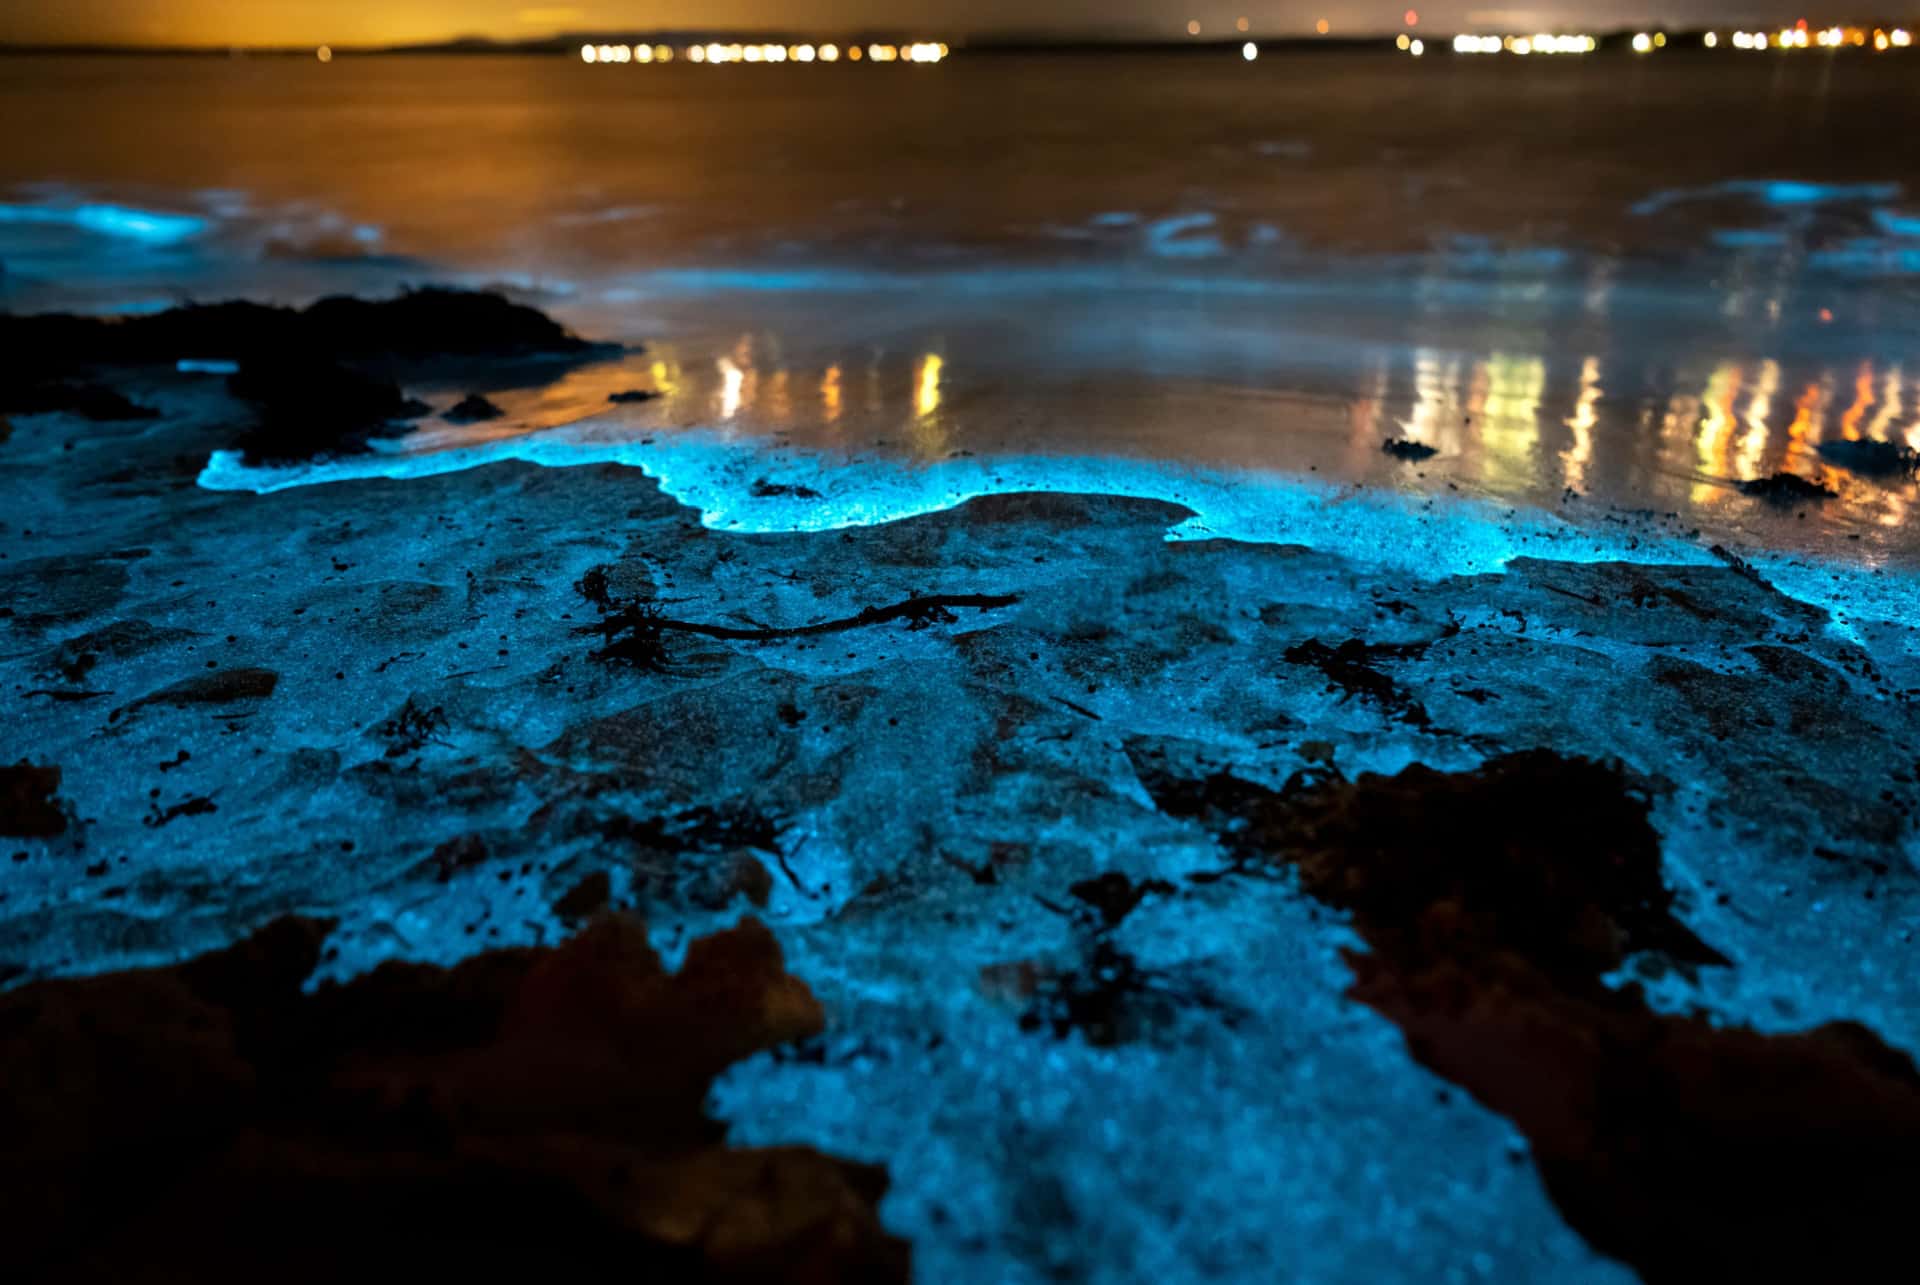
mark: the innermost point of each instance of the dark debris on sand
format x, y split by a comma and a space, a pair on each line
1401, 448
1494, 904
214, 1121
632, 396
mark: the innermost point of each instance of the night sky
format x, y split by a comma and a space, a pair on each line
348, 22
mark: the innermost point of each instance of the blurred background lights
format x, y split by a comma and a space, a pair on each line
1249, 51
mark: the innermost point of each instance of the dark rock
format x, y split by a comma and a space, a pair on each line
213, 1121
632, 396
28, 808
88, 400
1784, 489
1871, 458
417, 325
1401, 448
474, 409
309, 408
1494, 904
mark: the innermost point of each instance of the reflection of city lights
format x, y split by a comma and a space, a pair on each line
926, 398
1249, 51
830, 394
732, 381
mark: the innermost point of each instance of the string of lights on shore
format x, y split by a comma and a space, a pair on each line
1787, 39
716, 53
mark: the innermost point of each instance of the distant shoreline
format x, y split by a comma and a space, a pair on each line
569, 46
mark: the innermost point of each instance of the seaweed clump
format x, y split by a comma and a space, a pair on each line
215, 1121
1494, 904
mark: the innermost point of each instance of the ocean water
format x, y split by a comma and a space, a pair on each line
1592, 284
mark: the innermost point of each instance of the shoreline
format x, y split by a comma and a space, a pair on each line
377, 701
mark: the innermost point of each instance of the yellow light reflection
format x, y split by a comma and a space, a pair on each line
830, 394
1716, 431
733, 382
1752, 447
1585, 417
1862, 400
1510, 409
926, 397
1889, 406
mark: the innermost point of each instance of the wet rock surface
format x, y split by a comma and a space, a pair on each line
933, 755
213, 1121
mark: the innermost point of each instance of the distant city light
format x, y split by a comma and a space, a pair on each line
1411, 17
1540, 43
1417, 48
323, 53
1709, 40
1241, 24
829, 53
1401, 42
1193, 26
1249, 51
1642, 43
1322, 26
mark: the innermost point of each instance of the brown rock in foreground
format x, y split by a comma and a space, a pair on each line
529, 1111
1493, 904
